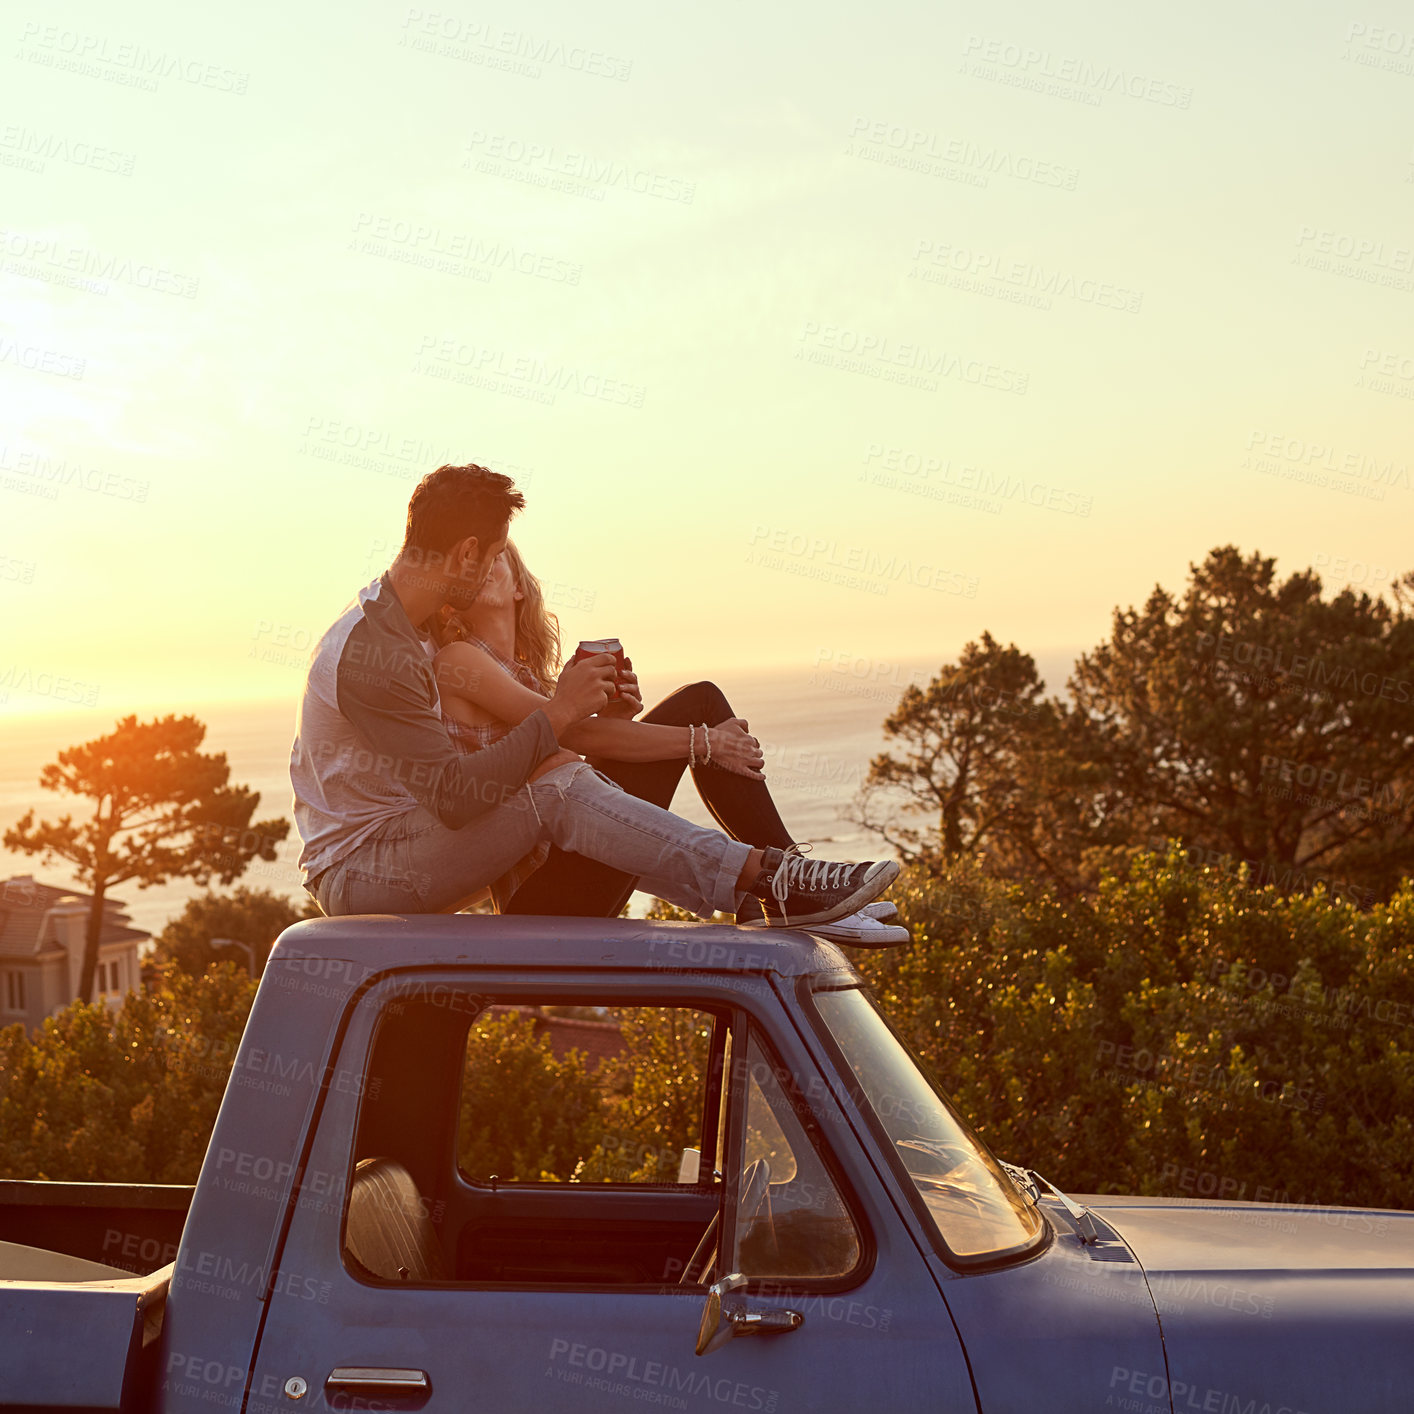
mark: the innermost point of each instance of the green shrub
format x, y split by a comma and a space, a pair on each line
127, 1096
1182, 1033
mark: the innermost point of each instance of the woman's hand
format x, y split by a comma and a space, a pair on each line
734, 749
629, 703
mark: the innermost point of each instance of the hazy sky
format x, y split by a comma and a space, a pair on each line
807, 331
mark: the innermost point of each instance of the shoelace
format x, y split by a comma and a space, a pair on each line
795, 869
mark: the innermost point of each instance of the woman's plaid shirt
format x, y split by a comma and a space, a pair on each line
474, 738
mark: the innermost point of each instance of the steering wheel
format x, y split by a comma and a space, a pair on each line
954, 1191
951, 1155
755, 1193
753, 1213
944, 1152
753, 1204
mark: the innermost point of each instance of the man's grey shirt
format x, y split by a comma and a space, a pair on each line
370, 744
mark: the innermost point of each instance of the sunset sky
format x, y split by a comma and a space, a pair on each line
806, 331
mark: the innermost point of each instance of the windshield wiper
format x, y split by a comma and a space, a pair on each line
1030, 1182
1023, 1180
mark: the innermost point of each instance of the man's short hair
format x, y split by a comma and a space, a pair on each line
453, 502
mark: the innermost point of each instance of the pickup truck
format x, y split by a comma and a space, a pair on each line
835, 1236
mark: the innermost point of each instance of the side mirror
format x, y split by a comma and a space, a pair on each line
719, 1325
714, 1332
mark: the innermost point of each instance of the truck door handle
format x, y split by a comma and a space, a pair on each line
367, 1377
765, 1322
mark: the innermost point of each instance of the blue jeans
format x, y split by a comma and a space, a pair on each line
415, 864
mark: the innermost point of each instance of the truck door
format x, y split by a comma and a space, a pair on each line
407, 1282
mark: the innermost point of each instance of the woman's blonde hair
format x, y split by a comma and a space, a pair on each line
537, 629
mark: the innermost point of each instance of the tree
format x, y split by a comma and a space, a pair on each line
969, 739
162, 810
653, 1088
626, 1120
255, 917
523, 1114
1250, 718
526, 1114
1255, 721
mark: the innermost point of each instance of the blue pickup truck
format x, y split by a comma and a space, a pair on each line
834, 1236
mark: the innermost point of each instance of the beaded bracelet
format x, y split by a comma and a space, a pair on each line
691, 750
707, 736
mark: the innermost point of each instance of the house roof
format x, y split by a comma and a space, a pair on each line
25, 906
598, 1040
114, 934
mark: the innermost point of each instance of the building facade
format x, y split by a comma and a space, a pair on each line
41, 950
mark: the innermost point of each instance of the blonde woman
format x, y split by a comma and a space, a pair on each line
497, 661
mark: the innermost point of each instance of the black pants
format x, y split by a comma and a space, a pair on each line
571, 884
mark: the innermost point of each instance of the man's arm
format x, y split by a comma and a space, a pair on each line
393, 710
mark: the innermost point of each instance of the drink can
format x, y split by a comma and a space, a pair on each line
588, 647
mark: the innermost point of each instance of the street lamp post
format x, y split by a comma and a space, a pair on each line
244, 947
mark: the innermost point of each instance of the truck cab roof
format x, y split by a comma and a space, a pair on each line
375, 942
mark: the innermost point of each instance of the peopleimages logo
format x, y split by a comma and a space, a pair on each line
900, 469
989, 271
38, 359
524, 375
1314, 671
488, 43
906, 363
958, 159
98, 56
452, 252
54, 472
522, 159
25, 147
1085, 76
56, 261
18, 678
1184, 1395
777, 547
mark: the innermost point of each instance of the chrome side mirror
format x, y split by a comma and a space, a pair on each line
719, 1325
713, 1332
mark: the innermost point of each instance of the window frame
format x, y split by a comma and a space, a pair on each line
689, 993
392, 988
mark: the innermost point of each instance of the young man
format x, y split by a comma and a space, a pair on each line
394, 818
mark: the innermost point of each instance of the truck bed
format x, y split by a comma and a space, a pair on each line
85, 1338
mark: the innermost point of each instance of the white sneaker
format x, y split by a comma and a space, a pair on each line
859, 930
881, 909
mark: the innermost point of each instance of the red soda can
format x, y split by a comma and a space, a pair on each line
588, 647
